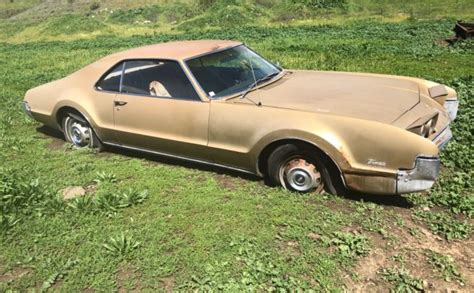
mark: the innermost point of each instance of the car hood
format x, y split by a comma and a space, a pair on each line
381, 98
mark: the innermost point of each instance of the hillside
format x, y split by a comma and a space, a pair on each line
146, 223
25, 20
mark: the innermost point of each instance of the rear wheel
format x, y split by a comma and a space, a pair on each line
299, 168
78, 132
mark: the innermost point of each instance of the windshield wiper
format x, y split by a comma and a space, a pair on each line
255, 83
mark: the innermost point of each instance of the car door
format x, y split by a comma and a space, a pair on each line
106, 90
158, 110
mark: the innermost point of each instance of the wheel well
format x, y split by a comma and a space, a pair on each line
62, 112
265, 153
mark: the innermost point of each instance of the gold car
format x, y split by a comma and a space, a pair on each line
220, 103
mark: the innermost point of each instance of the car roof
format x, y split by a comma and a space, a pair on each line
178, 50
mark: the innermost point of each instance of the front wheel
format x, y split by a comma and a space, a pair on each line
299, 168
79, 133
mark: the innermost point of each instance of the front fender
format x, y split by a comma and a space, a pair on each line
375, 146
361, 149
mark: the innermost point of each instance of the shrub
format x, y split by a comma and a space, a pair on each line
322, 4
128, 16
71, 24
224, 14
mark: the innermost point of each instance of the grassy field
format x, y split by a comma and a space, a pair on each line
147, 223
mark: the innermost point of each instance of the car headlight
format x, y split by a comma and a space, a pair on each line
425, 129
451, 106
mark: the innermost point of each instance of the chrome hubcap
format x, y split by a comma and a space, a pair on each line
78, 132
301, 175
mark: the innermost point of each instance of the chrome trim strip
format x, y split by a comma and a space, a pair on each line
121, 76
180, 158
212, 52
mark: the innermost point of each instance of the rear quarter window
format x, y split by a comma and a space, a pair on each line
111, 81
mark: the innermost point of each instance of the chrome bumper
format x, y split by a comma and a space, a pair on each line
421, 177
443, 138
26, 108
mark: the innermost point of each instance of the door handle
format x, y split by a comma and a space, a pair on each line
120, 103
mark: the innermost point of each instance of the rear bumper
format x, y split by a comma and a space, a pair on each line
421, 177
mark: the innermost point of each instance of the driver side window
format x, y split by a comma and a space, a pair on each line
158, 79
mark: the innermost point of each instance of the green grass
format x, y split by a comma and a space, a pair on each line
166, 222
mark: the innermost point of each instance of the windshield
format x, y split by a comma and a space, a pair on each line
230, 71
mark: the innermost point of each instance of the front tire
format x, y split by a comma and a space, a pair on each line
300, 168
79, 133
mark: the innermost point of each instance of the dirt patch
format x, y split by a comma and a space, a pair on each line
314, 236
168, 284
56, 144
14, 274
289, 249
402, 248
367, 273
71, 192
226, 182
128, 279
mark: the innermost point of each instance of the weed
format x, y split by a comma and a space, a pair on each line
445, 225
81, 203
21, 196
350, 245
133, 197
58, 275
402, 280
111, 202
104, 177
415, 232
445, 265
371, 217
120, 246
